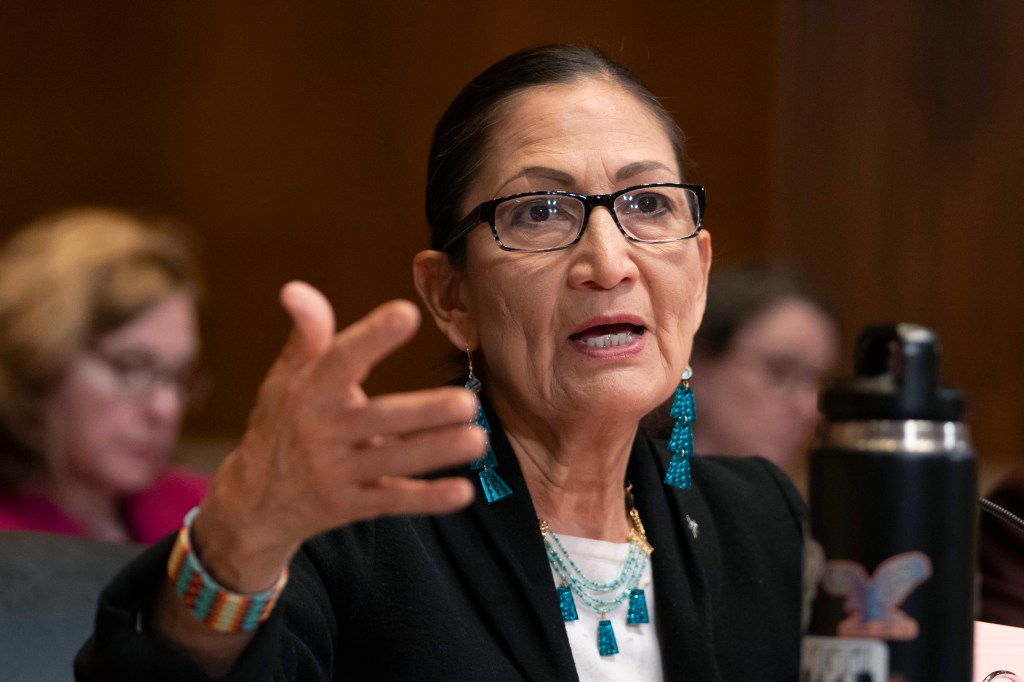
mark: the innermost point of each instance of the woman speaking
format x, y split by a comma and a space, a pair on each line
350, 537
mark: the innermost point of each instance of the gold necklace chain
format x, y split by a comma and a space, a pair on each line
637, 534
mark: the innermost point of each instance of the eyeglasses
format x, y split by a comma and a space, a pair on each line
783, 373
138, 374
548, 221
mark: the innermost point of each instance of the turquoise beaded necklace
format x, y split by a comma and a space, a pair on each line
602, 597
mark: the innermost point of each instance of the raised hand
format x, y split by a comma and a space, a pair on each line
318, 453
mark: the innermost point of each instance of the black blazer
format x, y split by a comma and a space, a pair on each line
469, 596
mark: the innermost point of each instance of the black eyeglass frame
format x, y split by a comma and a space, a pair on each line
485, 212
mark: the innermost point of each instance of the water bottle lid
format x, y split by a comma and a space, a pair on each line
895, 377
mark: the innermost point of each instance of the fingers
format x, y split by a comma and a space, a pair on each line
418, 454
407, 496
318, 453
345, 358
404, 413
312, 323
364, 343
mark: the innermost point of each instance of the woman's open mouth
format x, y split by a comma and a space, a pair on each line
608, 335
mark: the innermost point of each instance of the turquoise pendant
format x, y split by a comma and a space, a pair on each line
606, 644
494, 487
637, 608
566, 603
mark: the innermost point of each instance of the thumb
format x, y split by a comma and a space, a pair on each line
313, 323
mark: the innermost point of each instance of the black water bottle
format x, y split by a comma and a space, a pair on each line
893, 499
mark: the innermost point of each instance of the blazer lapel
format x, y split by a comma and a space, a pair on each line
680, 562
498, 550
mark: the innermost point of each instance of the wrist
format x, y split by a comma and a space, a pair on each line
237, 557
220, 607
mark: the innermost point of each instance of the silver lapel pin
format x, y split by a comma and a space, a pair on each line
694, 528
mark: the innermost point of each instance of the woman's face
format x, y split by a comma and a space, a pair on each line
113, 420
532, 314
760, 397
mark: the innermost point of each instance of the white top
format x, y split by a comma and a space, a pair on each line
639, 656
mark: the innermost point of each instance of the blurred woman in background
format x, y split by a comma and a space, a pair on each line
766, 343
98, 344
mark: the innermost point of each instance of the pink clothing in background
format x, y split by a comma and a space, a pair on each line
151, 514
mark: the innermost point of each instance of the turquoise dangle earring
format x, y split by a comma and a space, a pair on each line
493, 486
680, 443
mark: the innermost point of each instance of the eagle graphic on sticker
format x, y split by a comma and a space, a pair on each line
872, 602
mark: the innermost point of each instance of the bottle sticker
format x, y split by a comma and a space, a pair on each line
872, 601
830, 659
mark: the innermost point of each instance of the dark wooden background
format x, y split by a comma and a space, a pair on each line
876, 146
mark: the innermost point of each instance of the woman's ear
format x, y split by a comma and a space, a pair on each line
442, 289
704, 249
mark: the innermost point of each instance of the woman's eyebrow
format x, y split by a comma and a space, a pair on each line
637, 167
558, 176
565, 179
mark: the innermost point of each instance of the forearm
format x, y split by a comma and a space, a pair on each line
171, 622
193, 612
144, 631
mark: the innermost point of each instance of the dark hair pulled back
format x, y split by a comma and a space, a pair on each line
462, 134
739, 294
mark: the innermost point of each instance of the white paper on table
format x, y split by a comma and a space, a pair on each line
997, 647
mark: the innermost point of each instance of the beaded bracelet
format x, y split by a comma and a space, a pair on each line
218, 607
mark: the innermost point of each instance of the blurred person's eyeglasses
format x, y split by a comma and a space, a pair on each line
655, 213
138, 375
786, 374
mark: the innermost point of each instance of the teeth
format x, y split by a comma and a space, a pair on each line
610, 340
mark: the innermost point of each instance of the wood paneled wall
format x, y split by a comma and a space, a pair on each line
874, 147
902, 169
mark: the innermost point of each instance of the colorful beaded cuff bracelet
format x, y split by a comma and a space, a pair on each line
218, 607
